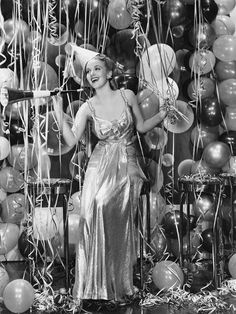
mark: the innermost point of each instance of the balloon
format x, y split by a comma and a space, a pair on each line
224, 48
13, 208
58, 248
209, 10
157, 62
16, 29
207, 240
9, 234
180, 119
51, 135
11, 180
232, 266
216, 154
230, 167
4, 147
158, 243
227, 92
202, 61
167, 275
185, 167
223, 25
18, 296
225, 6
201, 88
4, 280
229, 138
225, 70
173, 12
17, 132
118, 15
172, 224
30, 247
202, 36
204, 207
230, 118
77, 166
157, 209
126, 81
156, 138
73, 227
210, 111
8, 78
168, 90
202, 135
22, 157
167, 160
148, 103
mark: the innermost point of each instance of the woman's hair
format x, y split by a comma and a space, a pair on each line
109, 63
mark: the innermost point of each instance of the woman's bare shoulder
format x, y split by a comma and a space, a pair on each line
130, 95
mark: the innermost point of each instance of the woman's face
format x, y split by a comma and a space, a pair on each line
96, 73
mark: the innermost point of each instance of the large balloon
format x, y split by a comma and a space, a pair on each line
148, 103
167, 275
174, 12
225, 70
230, 118
157, 62
204, 207
223, 25
202, 36
216, 154
22, 157
18, 296
202, 61
224, 48
172, 223
11, 180
227, 92
9, 234
202, 88
229, 138
13, 208
210, 111
118, 15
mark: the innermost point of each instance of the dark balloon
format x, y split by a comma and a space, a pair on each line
171, 223
28, 250
202, 35
126, 81
209, 10
230, 139
210, 111
174, 12
225, 70
207, 240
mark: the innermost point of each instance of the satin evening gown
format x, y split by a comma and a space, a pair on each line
106, 253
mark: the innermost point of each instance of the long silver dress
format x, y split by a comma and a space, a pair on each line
106, 251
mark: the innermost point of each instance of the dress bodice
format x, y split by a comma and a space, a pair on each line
116, 129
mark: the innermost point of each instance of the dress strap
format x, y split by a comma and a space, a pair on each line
124, 96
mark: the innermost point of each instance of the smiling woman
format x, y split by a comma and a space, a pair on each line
106, 250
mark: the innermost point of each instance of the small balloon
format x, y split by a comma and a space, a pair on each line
4, 147
156, 138
225, 70
204, 207
158, 243
202, 36
229, 138
172, 223
13, 208
167, 275
118, 15
148, 103
168, 160
230, 118
185, 167
22, 157
210, 111
216, 154
11, 180
202, 61
202, 88
174, 12
227, 92
9, 234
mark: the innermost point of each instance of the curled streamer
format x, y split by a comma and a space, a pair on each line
52, 27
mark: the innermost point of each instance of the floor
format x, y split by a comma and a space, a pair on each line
194, 301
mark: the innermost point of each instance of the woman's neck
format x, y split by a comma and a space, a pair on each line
104, 92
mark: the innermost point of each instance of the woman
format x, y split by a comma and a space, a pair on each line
106, 251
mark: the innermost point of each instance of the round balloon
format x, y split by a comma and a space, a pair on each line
4, 147
223, 25
227, 91
201, 168
202, 135
167, 275
229, 138
4, 280
202, 36
157, 62
172, 223
158, 243
210, 111
232, 266
73, 227
207, 239
22, 157
118, 15
11, 180
216, 154
224, 48
148, 103
156, 138
201, 88
174, 12
204, 207
230, 118
225, 70
202, 61
9, 234
18, 296
13, 208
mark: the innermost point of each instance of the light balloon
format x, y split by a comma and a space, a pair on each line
216, 154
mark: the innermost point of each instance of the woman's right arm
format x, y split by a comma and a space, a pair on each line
70, 134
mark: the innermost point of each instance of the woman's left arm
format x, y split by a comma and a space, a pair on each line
142, 125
